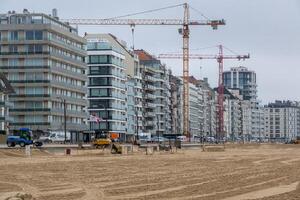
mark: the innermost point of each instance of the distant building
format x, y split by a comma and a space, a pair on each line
208, 123
232, 114
44, 60
244, 80
282, 120
197, 107
5, 104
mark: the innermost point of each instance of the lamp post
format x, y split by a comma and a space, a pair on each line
104, 107
65, 117
137, 125
157, 117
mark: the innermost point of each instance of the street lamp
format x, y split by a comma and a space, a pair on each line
101, 105
65, 116
137, 125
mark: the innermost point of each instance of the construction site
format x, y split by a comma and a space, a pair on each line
85, 116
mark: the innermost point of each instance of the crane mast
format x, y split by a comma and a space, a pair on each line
185, 36
185, 23
220, 130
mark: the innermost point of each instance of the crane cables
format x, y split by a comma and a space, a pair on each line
147, 11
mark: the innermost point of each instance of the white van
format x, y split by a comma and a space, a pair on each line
182, 138
56, 137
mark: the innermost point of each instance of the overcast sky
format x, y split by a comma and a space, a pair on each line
267, 29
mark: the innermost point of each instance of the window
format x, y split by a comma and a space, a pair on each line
38, 35
34, 90
100, 59
99, 92
100, 81
100, 70
13, 35
36, 48
13, 48
29, 35
13, 62
34, 35
99, 103
33, 62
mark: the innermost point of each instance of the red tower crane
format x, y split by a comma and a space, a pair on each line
185, 23
220, 58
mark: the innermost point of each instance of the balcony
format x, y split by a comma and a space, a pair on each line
29, 95
150, 96
150, 114
150, 87
8, 104
69, 86
30, 110
150, 105
149, 123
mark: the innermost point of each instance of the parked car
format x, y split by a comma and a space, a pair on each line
55, 137
158, 139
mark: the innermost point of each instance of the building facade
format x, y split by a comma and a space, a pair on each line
5, 104
208, 125
43, 59
106, 88
282, 120
244, 80
156, 94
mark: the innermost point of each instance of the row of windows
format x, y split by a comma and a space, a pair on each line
99, 59
29, 35
28, 76
35, 19
74, 120
38, 48
106, 92
105, 103
67, 80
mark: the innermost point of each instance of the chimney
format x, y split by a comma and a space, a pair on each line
54, 13
25, 11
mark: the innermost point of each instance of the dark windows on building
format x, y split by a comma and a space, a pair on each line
99, 103
99, 59
100, 92
34, 48
100, 70
12, 48
34, 35
13, 35
100, 81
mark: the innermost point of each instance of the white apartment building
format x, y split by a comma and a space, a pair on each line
282, 120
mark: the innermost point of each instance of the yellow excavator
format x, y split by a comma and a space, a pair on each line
102, 141
296, 141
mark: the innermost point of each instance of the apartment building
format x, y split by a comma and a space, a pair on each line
196, 102
282, 120
232, 114
244, 80
107, 88
5, 104
156, 96
208, 125
44, 60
